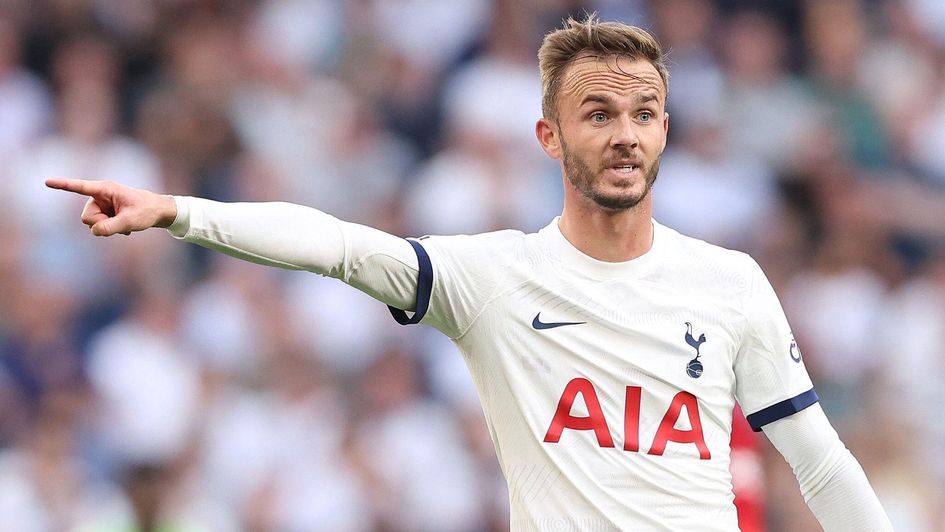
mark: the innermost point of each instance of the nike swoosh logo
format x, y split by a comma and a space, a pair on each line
540, 325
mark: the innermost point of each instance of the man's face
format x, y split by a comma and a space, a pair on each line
611, 129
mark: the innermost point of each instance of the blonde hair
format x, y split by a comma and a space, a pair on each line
602, 39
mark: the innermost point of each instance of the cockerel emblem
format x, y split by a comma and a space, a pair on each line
694, 368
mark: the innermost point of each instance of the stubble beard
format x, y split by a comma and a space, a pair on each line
582, 178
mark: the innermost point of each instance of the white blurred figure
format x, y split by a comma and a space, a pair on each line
835, 308
275, 455
147, 384
290, 121
491, 174
451, 193
314, 131
45, 485
345, 328
409, 472
767, 112
927, 146
300, 33
713, 185
910, 340
219, 321
709, 191
319, 139
25, 103
900, 62
498, 93
407, 27
85, 146
695, 77
930, 14
462, 191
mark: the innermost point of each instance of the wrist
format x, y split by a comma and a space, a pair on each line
167, 211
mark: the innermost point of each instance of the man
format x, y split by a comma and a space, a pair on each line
608, 350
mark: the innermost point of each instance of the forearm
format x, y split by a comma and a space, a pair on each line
831, 480
295, 237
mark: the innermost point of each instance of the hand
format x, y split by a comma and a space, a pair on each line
113, 208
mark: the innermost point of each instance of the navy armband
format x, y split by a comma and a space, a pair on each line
424, 288
781, 410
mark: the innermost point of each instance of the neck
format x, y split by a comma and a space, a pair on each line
609, 236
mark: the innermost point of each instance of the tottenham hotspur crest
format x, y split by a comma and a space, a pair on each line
694, 368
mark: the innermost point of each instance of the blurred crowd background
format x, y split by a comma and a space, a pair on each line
145, 382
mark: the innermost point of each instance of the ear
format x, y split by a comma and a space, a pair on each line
549, 138
665, 129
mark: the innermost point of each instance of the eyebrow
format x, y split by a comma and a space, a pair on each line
607, 100
597, 98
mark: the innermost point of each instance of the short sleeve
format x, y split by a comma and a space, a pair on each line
771, 380
457, 276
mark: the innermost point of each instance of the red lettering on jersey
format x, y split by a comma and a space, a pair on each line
631, 419
593, 421
668, 431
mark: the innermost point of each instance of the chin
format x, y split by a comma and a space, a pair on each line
617, 202
620, 196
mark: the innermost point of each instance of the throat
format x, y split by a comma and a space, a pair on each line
609, 237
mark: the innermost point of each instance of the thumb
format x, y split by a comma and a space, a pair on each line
111, 226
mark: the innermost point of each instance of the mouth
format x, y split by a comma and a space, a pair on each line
624, 168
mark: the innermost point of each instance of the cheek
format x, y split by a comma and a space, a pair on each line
594, 139
655, 138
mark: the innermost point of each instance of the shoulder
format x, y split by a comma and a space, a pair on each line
702, 265
498, 246
495, 259
500, 237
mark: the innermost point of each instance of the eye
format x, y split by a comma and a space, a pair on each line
646, 116
598, 118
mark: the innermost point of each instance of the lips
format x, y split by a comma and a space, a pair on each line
624, 166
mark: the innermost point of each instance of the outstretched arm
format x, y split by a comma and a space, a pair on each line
274, 234
831, 480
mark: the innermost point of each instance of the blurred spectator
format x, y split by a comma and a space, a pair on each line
46, 485
347, 329
696, 83
700, 173
835, 34
766, 111
147, 385
25, 106
909, 340
276, 457
85, 145
408, 473
928, 136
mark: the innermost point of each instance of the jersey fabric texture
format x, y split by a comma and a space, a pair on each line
608, 388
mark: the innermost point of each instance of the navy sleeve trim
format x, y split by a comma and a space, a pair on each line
782, 410
424, 288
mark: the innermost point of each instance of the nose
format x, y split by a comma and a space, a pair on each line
623, 135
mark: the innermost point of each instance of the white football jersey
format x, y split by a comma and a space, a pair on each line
608, 388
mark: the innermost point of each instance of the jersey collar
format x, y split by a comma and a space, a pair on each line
575, 259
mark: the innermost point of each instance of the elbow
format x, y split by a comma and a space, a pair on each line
814, 476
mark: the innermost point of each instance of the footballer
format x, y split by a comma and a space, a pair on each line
647, 338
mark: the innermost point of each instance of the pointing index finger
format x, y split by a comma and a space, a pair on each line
79, 186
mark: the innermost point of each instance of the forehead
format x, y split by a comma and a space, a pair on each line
617, 75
